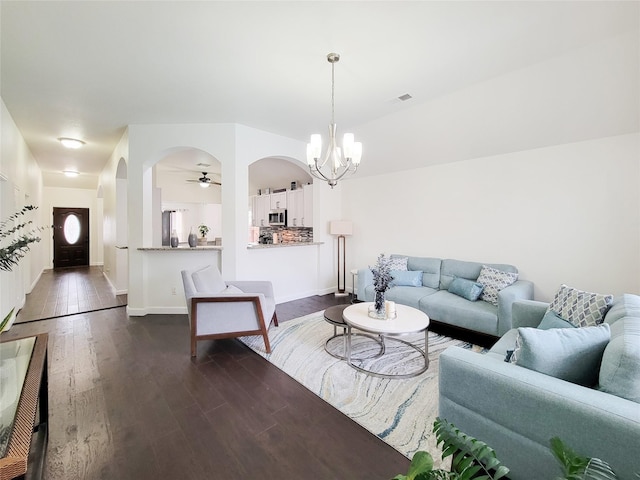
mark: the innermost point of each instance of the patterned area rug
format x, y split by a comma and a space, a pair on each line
399, 411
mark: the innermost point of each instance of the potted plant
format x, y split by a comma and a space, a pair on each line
203, 229
473, 459
11, 253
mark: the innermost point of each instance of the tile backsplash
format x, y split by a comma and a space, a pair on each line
286, 234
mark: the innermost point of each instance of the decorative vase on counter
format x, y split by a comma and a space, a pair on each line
193, 240
174, 239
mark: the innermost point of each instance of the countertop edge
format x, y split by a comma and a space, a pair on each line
178, 249
262, 246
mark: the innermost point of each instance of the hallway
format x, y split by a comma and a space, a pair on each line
69, 291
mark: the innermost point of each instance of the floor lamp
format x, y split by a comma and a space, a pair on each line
341, 228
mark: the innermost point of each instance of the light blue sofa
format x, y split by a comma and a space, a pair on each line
517, 411
447, 308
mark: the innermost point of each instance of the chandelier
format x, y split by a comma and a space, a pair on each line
336, 162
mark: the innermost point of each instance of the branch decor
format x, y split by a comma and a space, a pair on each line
381, 281
16, 228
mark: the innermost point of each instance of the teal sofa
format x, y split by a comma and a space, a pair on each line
433, 298
517, 410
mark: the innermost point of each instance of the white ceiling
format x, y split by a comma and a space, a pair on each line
88, 69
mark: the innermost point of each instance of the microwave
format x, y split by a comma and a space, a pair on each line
278, 217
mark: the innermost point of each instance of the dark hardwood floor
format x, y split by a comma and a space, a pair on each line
127, 402
67, 291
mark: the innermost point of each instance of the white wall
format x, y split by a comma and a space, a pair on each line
586, 93
564, 214
115, 260
76, 198
235, 147
20, 184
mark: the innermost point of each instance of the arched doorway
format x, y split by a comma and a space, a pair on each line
190, 184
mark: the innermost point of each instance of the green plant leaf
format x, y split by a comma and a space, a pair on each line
470, 455
6, 319
420, 463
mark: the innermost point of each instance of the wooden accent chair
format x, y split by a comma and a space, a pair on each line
219, 309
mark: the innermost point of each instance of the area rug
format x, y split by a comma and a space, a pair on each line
401, 412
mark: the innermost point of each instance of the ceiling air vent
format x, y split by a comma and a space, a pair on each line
405, 97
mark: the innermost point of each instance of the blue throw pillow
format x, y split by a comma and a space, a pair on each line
552, 320
407, 278
466, 288
571, 354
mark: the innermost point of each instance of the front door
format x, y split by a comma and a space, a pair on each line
70, 237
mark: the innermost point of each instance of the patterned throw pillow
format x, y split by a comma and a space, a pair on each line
581, 309
494, 281
398, 263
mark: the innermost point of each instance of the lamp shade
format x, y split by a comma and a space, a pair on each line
341, 227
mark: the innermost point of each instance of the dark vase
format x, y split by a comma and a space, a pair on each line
193, 240
379, 302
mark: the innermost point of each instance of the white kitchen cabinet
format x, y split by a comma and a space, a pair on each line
278, 200
295, 208
307, 208
260, 210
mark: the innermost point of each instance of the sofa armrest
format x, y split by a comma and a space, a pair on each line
517, 411
365, 278
528, 313
520, 290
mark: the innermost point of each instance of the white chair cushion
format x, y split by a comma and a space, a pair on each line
208, 280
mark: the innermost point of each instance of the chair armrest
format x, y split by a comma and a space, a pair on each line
254, 286
528, 313
520, 290
209, 298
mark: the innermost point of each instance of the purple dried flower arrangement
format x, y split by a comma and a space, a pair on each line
381, 274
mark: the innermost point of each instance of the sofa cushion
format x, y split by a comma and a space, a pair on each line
410, 296
208, 280
430, 268
448, 308
408, 278
466, 288
626, 305
397, 262
552, 320
571, 354
494, 280
582, 309
620, 368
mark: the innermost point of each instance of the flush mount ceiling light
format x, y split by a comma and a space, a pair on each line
336, 162
71, 173
71, 142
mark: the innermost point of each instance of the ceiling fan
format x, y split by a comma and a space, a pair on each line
205, 181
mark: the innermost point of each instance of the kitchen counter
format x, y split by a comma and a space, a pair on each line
258, 246
180, 248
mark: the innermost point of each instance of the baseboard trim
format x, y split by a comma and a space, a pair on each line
141, 312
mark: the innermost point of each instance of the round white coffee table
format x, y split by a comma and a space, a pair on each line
408, 321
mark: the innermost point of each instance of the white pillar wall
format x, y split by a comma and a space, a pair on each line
235, 147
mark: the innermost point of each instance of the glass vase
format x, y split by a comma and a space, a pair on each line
193, 240
378, 303
174, 239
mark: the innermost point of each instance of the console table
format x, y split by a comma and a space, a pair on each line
23, 374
